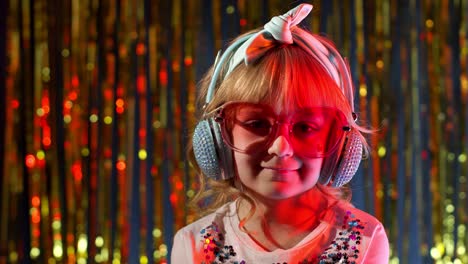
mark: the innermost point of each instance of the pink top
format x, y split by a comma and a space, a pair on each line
345, 235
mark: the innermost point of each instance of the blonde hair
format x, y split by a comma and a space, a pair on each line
290, 77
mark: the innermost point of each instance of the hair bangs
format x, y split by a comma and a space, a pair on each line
286, 77
250, 84
297, 80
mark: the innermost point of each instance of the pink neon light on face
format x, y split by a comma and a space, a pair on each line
275, 170
272, 158
280, 155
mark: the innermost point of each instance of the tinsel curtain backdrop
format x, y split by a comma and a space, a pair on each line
98, 102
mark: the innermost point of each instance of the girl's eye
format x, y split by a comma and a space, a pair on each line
257, 123
260, 127
305, 128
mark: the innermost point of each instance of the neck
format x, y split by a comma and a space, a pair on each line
305, 206
297, 214
283, 220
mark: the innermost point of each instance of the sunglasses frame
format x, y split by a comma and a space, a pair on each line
218, 115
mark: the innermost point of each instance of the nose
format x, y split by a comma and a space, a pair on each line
281, 146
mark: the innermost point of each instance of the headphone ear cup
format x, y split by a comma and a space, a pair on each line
349, 162
213, 157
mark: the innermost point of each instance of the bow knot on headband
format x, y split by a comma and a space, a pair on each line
280, 26
277, 31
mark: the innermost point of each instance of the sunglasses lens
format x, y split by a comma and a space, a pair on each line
316, 132
247, 126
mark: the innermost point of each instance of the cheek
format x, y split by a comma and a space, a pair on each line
247, 142
311, 169
246, 166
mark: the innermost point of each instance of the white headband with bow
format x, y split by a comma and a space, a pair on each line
283, 30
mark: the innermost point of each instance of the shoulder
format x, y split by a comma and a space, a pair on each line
196, 229
190, 240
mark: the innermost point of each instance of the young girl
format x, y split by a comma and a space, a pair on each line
277, 141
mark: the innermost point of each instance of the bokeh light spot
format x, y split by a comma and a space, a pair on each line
99, 241
35, 252
40, 155
93, 118
230, 9
30, 161
157, 232
108, 120
142, 155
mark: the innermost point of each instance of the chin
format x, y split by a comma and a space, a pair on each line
281, 194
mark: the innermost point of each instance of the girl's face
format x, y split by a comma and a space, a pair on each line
279, 154
277, 173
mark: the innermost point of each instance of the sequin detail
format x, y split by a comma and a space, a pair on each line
345, 247
214, 247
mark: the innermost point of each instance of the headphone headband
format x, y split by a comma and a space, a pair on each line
218, 65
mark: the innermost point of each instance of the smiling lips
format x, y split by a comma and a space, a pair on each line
280, 169
281, 174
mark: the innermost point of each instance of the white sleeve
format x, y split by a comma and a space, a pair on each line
182, 248
378, 250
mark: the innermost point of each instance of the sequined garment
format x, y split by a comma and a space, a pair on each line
345, 235
343, 249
